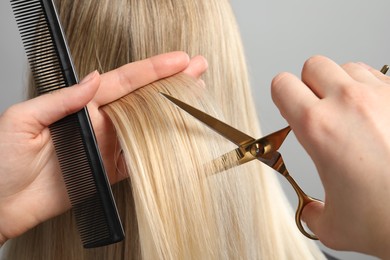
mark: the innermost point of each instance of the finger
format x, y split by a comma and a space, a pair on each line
122, 81
360, 73
291, 96
324, 76
44, 110
312, 216
198, 65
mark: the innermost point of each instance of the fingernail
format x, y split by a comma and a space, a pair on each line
89, 77
200, 61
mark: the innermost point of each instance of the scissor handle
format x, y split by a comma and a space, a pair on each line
303, 200
298, 215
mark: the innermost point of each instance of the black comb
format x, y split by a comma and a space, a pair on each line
73, 137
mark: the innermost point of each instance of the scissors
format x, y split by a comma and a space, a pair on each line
264, 149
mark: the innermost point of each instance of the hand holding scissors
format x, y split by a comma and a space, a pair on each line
264, 149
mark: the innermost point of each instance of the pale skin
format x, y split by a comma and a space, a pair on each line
31, 185
341, 116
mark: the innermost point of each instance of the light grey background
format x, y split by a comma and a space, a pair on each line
278, 36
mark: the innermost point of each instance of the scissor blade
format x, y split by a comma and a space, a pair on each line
237, 157
227, 131
231, 159
272, 142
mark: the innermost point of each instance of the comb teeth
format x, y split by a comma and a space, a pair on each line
87, 205
39, 45
73, 138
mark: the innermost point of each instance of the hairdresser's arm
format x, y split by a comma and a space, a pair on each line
31, 186
341, 115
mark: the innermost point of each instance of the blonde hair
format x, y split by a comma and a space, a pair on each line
172, 208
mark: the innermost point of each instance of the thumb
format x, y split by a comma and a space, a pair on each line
49, 108
312, 216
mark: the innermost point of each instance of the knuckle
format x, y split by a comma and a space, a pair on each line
355, 97
313, 61
312, 65
348, 66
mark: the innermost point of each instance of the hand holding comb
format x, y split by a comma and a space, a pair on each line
73, 137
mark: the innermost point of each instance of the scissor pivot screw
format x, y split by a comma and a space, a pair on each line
257, 150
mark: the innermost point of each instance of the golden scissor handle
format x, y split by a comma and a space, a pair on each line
385, 69
303, 199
